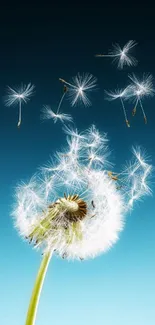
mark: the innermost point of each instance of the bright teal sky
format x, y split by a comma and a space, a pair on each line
116, 288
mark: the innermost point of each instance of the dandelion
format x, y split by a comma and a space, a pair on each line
47, 114
73, 208
78, 88
18, 96
120, 94
140, 89
122, 56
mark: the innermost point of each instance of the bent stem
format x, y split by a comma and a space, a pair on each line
32, 310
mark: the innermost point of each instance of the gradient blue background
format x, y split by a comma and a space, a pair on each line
41, 44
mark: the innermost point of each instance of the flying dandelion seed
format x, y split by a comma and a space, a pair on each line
140, 89
79, 87
47, 114
18, 96
73, 207
121, 56
120, 94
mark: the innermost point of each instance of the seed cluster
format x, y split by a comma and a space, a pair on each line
69, 209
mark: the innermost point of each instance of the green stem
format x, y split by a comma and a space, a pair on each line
31, 315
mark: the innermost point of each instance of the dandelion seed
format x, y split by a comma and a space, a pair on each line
121, 56
140, 89
18, 96
75, 209
78, 88
73, 133
135, 176
47, 114
119, 94
95, 137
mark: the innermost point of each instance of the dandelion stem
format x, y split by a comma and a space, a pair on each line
124, 110
145, 119
67, 83
31, 315
20, 114
135, 108
60, 103
107, 55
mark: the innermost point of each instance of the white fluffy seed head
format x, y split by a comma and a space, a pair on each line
122, 55
21, 94
73, 206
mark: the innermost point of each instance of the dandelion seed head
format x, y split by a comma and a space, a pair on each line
73, 206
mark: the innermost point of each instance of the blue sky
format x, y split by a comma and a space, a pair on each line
115, 288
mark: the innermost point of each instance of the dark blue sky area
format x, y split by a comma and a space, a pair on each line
44, 42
